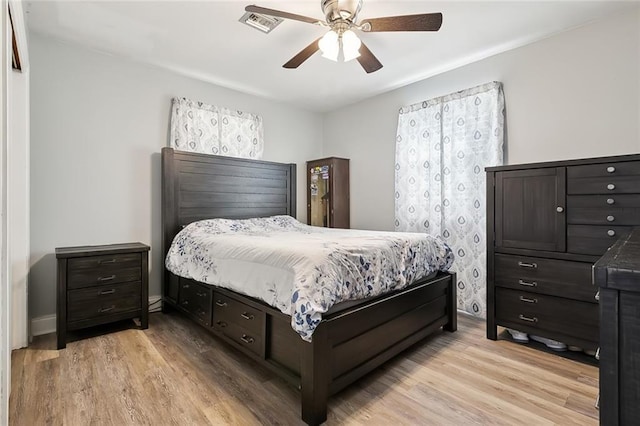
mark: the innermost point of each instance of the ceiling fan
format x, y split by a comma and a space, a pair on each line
341, 17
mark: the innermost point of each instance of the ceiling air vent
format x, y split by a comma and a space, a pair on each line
261, 22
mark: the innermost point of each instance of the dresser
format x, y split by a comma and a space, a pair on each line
617, 274
328, 192
547, 223
101, 284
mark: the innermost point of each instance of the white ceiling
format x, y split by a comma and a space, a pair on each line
203, 39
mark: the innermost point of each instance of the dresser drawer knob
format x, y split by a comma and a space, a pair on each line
221, 303
247, 316
112, 277
559, 209
110, 308
528, 319
611, 169
247, 339
527, 300
611, 233
221, 324
611, 201
528, 283
527, 265
106, 262
610, 218
611, 187
105, 292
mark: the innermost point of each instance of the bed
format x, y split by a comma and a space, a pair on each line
352, 337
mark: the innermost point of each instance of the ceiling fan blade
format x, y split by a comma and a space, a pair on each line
422, 22
368, 60
281, 14
304, 54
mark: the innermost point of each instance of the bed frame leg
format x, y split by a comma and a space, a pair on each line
452, 305
315, 378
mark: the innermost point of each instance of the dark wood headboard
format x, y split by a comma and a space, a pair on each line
201, 186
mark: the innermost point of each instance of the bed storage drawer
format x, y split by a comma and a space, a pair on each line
572, 318
195, 299
545, 276
101, 301
231, 311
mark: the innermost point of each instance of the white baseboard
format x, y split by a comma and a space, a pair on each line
43, 325
47, 324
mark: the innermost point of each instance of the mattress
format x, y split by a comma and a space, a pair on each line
301, 270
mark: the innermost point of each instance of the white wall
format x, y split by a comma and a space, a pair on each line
573, 95
98, 125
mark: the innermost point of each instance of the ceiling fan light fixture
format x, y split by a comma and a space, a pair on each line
350, 45
329, 45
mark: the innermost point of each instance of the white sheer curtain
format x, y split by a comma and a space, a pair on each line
442, 148
199, 127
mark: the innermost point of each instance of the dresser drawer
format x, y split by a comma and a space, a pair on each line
195, 299
80, 278
593, 201
593, 240
603, 216
604, 185
247, 338
554, 314
625, 168
231, 311
545, 276
102, 301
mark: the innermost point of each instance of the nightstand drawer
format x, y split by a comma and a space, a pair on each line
101, 301
117, 261
545, 276
80, 278
234, 312
557, 314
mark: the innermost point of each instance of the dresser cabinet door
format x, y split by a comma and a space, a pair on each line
530, 209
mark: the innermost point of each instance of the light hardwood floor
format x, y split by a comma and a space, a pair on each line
176, 373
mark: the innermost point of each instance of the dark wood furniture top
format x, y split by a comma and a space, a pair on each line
617, 274
101, 284
329, 204
547, 223
346, 345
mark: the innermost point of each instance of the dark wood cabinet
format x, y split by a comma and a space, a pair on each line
101, 284
617, 274
547, 224
328, 192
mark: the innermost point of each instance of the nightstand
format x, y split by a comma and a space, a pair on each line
101, 284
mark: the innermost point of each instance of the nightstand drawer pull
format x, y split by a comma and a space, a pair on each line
246, 316
106, 262
221, 303
523, 318
247, 339
103, 310
527, 265
104, 292
221, 324
112, 277
527, 300
527, 283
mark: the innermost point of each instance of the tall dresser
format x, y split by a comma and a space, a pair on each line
328, 192
547, 223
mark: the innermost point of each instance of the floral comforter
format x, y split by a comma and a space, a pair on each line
299, 269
